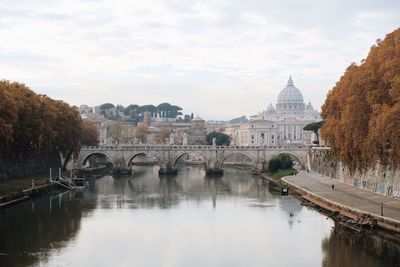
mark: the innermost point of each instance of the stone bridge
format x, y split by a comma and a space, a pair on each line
168, 155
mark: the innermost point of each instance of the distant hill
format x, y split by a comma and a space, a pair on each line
239, 120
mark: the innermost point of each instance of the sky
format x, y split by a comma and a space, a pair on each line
218, 59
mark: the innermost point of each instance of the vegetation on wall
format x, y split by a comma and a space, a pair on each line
362, 111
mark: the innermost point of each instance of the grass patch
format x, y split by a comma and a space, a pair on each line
281, 173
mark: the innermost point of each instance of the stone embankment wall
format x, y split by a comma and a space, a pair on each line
28, 165
384, 182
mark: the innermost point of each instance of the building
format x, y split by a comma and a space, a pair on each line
197, 132
281, 125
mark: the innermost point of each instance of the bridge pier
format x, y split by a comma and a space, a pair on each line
213, 168
261, 165
167, 169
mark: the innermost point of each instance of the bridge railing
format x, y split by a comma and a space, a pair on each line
186, 147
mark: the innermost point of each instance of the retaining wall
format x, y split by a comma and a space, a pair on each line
28, 164
384, 182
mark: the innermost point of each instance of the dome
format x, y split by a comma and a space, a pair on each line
197, 118
271, 109
290, 94
309, 106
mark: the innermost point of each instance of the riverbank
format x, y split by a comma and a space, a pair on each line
348, 204
15, 191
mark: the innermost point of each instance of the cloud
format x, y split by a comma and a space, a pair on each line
231, 57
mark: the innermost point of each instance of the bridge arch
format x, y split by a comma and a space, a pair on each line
130, 158
225, 156
84, 159
294, 156
181, 154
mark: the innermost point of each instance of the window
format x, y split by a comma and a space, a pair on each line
272, 137
262, 135
252, 136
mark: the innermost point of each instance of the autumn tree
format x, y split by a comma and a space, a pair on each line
141, 132
89, 134
362, 111
32, 124
116, 131
164, 133
8, 116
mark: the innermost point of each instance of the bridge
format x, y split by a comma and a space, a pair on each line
168, 155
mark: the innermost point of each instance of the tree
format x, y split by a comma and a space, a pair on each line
362, 111
314, 127
280, 162
241, 119
274, 165
8, 117
89, 134
187, 118
221, 138
164, 133
106, 106
141, 132
163, 109
129, 110
116, 131
32, 124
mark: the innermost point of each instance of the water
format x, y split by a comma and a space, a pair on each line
189, 220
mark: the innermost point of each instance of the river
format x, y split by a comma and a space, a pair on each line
188, 220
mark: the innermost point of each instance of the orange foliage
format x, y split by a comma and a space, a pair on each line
362, 111
36, 123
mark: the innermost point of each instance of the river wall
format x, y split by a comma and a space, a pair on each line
384, 182
28, 164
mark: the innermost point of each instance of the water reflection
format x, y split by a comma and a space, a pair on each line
31, 229
187, 220
350, 248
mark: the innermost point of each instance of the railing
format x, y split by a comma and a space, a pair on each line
188, 147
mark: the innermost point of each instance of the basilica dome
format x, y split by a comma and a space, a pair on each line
290, 94
290, 100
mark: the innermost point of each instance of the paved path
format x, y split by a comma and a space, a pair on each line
347, 195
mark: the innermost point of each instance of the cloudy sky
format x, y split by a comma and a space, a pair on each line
220, 59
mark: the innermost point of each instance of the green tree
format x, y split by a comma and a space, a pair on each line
106, 106
280, 162
274, 165
221, 138
314, 127
163, 109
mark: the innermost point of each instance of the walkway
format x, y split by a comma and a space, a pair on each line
346, 195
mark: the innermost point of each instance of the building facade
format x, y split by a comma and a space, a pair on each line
197, 132
281, 125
